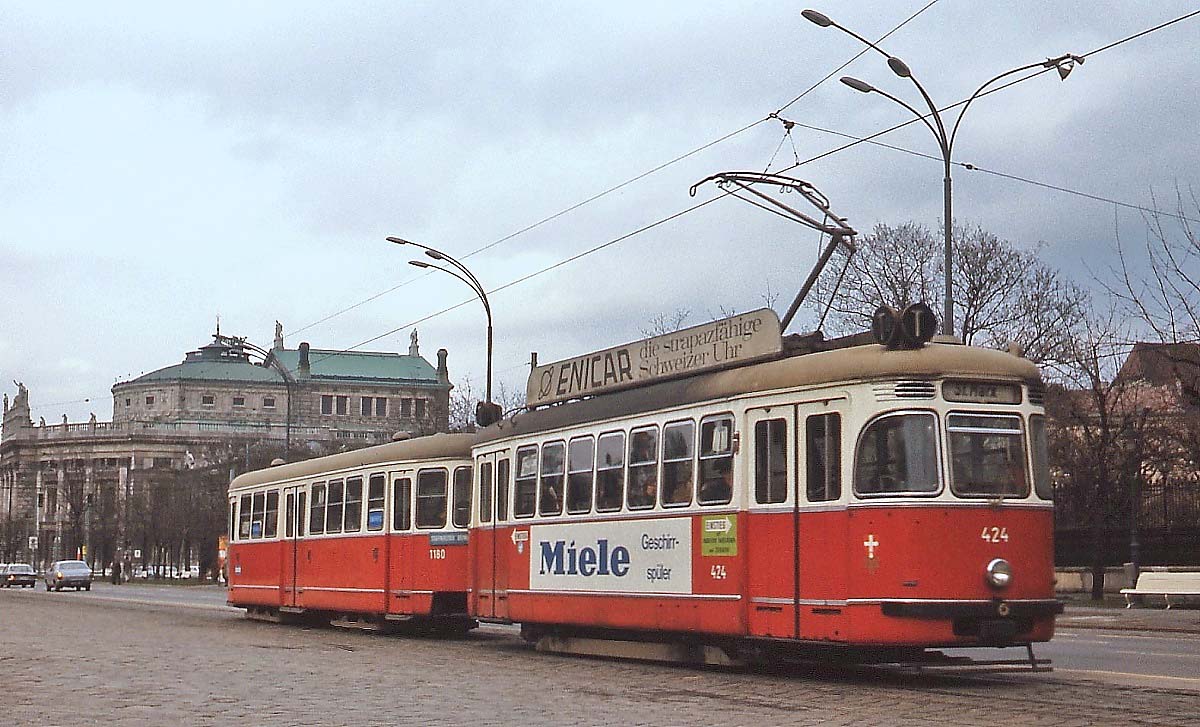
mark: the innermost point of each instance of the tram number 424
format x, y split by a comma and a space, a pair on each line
994, 534
717, 572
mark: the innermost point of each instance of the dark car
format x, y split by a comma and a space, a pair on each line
18, 574
69, 573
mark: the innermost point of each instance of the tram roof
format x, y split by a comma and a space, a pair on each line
856, 364
436, 446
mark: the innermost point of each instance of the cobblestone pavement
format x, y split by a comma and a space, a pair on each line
70, 663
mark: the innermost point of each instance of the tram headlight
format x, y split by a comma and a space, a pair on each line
999, 573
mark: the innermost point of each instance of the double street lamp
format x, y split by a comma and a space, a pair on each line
1063, 64
485, 412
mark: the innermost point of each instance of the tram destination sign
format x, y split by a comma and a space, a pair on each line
728, 342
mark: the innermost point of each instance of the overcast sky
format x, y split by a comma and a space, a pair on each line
165, 164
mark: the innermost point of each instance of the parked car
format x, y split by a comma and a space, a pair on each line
18, 574
67, 573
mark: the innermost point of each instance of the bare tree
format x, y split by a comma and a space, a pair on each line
666, 322
1164, 296
1102, 435
1001, 293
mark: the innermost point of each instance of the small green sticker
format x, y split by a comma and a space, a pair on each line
719, 535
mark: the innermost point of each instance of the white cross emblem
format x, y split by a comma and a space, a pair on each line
871, 544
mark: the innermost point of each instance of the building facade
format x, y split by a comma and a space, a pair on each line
95, 489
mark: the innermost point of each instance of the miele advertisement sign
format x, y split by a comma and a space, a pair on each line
727, 342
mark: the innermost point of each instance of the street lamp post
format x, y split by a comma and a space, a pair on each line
461, 272
1063, 64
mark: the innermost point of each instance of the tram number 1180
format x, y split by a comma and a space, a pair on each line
440, 553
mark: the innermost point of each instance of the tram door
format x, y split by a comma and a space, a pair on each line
399, 581
490, 569
295, 516
821, 525
773, 527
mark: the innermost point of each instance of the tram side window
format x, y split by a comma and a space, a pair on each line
271, 526
679, 451
898, 454
256, 520
401, 504
316, 512
301, 510
502, 490
716, 460
525, 490
375, 491
233, 531
643, 468
823, 457
244, 518
550, 485
431, 498
289, 524
1041, 461
610, 471
580, 456
485, 491
353, 515
461, 516
333, 507
770, 461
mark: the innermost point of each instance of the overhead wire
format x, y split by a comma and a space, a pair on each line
856, 141
692, 208
631, 180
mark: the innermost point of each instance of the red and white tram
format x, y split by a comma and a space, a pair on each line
372, 536
720, 487
854, 497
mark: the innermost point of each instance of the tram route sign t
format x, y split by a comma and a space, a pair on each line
732, 341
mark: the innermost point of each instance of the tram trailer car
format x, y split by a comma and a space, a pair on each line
369, 538
884, 500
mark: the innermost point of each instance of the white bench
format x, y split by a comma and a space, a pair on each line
1165, 584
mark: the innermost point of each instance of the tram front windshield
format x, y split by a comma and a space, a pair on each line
897, 455
987, 455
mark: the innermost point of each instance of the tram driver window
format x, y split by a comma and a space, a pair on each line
610, 471
550, 485
643, 468
770, 461
823, 457
716, 460
525, 491
679, 451
431, 498
461, 516
580, 456
316, 516
898, 454
987, 455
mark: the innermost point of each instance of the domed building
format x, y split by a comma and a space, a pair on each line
119, 489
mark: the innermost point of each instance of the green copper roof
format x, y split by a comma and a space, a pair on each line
359, 366
213, 371
225, 361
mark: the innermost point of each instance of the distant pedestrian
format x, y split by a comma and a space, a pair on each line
116, 573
